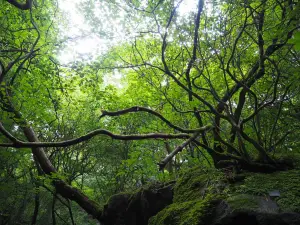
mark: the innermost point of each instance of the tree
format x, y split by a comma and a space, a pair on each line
236, 46
221, 78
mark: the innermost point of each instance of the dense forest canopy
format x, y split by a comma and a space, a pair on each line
171, 84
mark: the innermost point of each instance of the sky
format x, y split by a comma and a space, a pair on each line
82, 43
89, 46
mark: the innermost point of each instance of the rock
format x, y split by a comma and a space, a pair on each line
274, 193
204, 198
257, 218
137, 208
245, 209
252, 202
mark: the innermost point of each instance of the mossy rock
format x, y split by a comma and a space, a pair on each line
246, 202
202, 197
243, 201
197, 183
197, 212
196, 194
287, 183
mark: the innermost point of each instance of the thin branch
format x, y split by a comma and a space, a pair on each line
280, 140
179, 148
194, 56
170, 74
25, 57
204, 156
266, 104
7, 134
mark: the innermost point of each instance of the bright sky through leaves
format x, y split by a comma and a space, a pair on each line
83, 43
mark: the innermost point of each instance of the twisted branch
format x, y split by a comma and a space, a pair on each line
143, 109
16, 143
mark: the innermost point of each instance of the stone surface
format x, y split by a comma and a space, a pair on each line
257, 218
137, 208
256, 210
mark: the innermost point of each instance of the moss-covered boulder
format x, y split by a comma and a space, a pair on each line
211, 197
197, 183
285, 183
252, 203
204, 197
262, 199
196, 194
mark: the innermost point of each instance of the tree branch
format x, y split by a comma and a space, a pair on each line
179, 148
194, 56
21, 144
143, 109
7, 134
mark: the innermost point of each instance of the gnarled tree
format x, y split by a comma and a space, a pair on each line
221, 78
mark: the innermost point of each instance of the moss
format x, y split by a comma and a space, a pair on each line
243, 201
195, 192
196, 183
186, 213
286, 182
